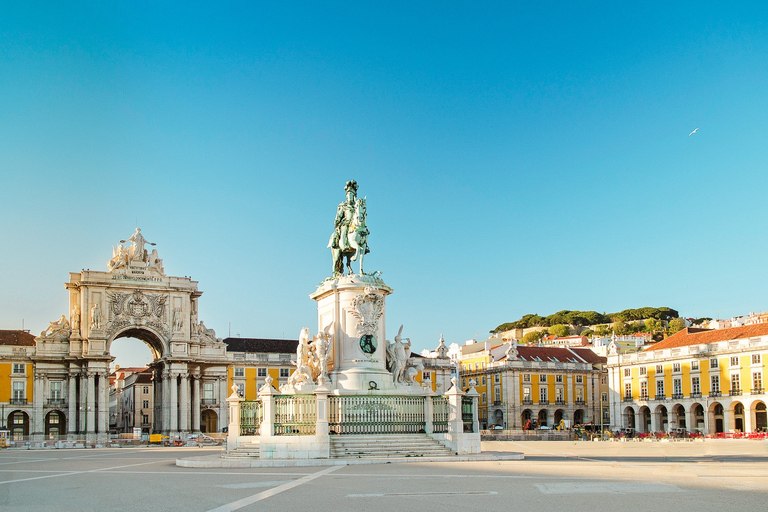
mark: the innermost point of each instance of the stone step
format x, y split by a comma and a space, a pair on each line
383, 446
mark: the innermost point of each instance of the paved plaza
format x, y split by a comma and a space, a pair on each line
710, 475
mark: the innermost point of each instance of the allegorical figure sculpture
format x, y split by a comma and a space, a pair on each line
75, 317
321, 348
397, 356
138, 253
95, 316
303, 372
350, 234
58, 330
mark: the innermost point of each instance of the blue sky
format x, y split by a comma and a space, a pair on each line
516, 158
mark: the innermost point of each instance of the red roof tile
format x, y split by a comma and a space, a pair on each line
691, 336
16, 337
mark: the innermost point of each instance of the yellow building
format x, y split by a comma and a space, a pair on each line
543, 385
252, 359
16, 381
701, 380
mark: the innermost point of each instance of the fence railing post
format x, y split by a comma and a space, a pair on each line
233, 429
455, 422
429, 413
321, 422
267, 397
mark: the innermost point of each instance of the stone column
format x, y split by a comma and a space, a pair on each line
173, 382
90, 402
166, 405
748, 415
223, 409
655, 421
103, 416
196, 404
184, 403
38, 398
515, 400
570, 400
81, 406
72, 402
690, 420
588, 400
727, 427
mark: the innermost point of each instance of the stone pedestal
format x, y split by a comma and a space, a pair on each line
355, 305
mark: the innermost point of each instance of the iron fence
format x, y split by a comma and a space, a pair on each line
467, 413
251, 414
295, 415
376, 414
440, 414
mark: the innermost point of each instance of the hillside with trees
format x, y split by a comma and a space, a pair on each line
628, 320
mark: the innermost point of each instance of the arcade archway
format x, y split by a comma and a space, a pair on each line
55, 424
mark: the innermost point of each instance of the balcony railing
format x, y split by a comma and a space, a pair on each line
714, 393
735, 392
209, 401
644, 397
56, 401
527, 401
627, 398
758, 391
559, 401
696, 395
677, 396
660, 396
18, 401
579, 402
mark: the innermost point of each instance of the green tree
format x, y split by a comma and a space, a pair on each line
603, 330
620, 327
653, 325
676, 324
587, 332
560, 330
532, 337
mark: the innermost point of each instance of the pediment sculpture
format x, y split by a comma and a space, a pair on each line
135, 255
58, 330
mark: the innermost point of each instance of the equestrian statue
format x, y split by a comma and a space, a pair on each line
350, 235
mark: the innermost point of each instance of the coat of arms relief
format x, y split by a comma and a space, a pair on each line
368, 308
136, 308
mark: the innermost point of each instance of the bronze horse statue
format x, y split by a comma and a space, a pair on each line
350, 240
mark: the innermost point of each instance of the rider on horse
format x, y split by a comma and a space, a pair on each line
348, 237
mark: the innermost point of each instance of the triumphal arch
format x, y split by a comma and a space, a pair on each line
132, 298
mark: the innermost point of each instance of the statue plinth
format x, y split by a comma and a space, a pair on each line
355, 305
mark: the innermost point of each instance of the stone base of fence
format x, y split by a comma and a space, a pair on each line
295, 447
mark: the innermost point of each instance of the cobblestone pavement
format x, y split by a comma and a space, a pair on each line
680, 476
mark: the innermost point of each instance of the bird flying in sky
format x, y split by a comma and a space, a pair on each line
694, 131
